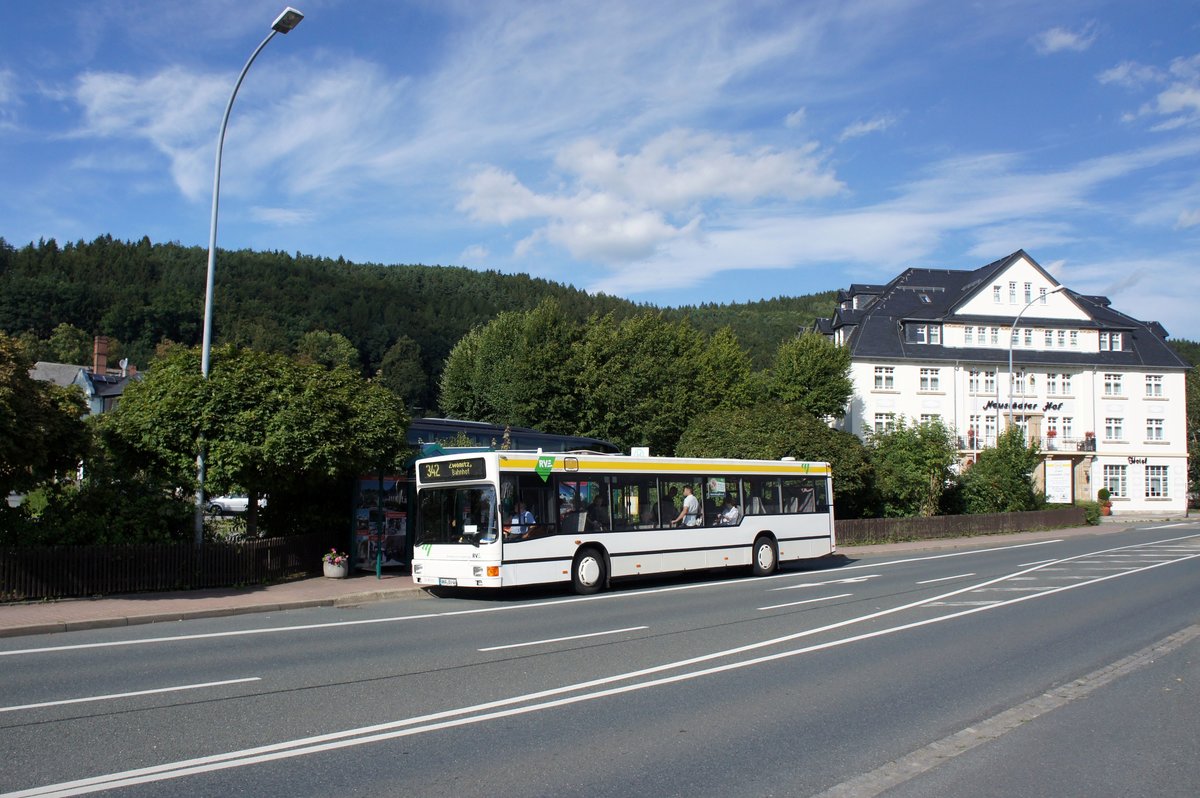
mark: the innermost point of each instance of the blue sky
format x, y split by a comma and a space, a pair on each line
667, 152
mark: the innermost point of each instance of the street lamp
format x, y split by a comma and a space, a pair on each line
287, 20
1012, 339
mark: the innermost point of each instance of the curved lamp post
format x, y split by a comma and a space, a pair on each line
1012, 339
287, 20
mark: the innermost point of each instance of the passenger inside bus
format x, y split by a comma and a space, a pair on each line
730, 513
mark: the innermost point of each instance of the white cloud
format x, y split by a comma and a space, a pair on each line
1177, 105
865, 127
618, 207
795, 119
474, 255
1057, 40
1130, 74
1188, 218
282, 217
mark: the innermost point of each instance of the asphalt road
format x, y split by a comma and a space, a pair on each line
1063, 667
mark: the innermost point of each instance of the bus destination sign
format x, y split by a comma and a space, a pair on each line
446, 470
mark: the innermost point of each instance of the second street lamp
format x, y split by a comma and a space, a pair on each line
287, 20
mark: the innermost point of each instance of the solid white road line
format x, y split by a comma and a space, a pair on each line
563, 639
807, 601
130, 694
944, 579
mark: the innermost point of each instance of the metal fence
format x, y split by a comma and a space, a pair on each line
50, 572
862, 531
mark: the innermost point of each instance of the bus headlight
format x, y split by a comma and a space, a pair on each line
477, 570
418, 567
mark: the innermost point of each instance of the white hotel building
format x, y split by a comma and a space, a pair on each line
1101, 392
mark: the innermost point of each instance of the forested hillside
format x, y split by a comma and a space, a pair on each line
142, 294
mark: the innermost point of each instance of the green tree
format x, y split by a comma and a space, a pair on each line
69, 344
269, 424
640, 381
912, 467
327, 349
767, 431
812, 374
1001, 479
42, 432
402, 371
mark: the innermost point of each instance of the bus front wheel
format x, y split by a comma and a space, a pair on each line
588, 572
765, 556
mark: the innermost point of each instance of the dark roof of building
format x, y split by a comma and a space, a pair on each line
933, 295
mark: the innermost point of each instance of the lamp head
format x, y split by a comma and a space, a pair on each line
287, 20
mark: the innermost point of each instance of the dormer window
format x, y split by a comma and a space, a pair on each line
923, 333
1110, 342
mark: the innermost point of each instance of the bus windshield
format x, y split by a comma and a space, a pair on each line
464, 515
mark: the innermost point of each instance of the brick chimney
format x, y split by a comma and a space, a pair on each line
100, 355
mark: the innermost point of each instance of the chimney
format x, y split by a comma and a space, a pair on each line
100, 355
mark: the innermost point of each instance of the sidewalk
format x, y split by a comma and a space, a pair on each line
138, 608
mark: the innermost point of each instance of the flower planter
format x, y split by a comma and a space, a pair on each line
1106, 508
339, 571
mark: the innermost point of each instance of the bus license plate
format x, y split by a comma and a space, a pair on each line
444, 582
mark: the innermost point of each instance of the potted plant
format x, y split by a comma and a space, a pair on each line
336, 564
1104, 497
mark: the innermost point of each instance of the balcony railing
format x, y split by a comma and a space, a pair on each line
1047, 443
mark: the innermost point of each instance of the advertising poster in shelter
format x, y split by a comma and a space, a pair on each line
381, 521
1058, 482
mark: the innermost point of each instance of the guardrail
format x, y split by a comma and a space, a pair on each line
50, 572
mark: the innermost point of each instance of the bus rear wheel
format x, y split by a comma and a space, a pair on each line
764, 557
588, 572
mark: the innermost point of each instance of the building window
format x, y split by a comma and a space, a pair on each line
1154, 429
973, 381
884, 422
1114, 480
1154, 385
929, 379
1051, 384
1012, 293
1049, 338
1062, 338
1042, 294
1019, 383
1028, 336
996, 294
1114, 429
885, 378
1028, 293
1074, 339
1067, 430
1157, 484
1110, 342
995, 336
929, 418
1052, 426
989, 382
974, 429
968, 335
1112, 384
989, 429
1066, 384
935, 333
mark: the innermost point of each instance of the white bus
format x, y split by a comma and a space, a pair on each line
503, 518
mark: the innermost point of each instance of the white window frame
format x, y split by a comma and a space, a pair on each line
1112, 385
1158, 482
1154, 386
885, 378
1116, 479
930, 379
1114, 428
1155, 429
